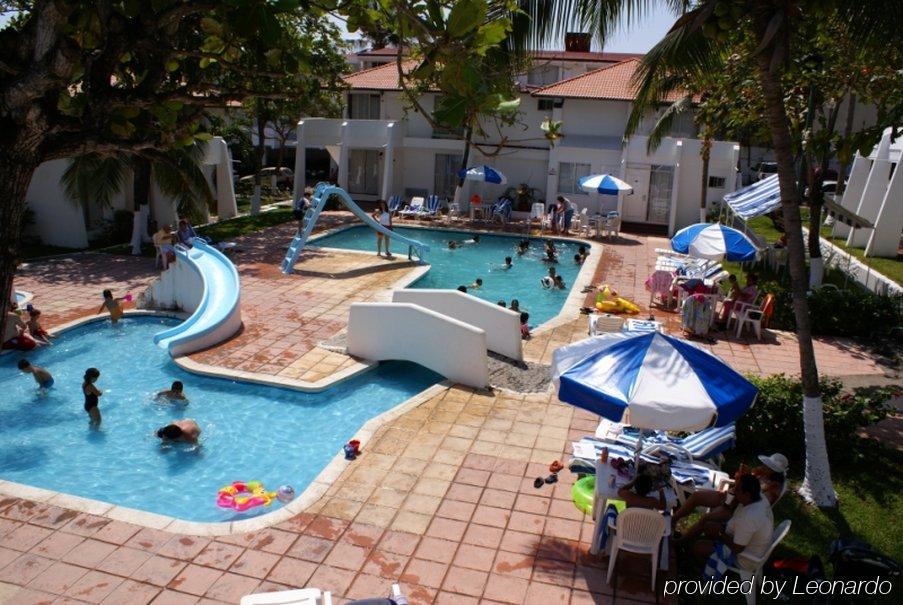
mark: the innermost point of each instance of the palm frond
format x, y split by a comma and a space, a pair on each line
179, 175
538, 23
95, 178
666, 121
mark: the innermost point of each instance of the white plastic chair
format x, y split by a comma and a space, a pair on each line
756, 574
303, 596
640, 531
612, 224
454, 212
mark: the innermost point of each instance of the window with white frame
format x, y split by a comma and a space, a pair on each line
543, 75
569, 175
446, 179
363, 107
717, 182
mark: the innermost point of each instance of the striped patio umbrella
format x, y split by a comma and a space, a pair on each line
714, 241
604, 184
485, 174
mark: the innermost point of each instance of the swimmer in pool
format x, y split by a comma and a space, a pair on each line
523, 246
462, 289
474, 240
578, 259
477, 284
515, 305
502, 304
113, 305
558, 283
175, 392
185, 430
41, 375
507, 264
453, 245
552, 272
92, 395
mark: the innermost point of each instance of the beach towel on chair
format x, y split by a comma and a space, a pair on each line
719, 561
611, 514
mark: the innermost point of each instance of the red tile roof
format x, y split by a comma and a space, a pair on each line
381, 77
610, 82
584, 57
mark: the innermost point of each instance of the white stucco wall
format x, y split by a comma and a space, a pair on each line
59, 220
179, 288
502, 326
383, 331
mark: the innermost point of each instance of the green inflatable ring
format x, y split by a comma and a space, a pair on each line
583, 492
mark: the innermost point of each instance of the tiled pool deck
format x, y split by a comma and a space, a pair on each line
442, 500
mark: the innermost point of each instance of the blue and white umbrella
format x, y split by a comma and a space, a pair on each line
604, 184
714, 242
650, 381
486, 174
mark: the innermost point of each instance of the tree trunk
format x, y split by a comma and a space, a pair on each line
465, 157
141, 188
703, 196
261, 155
817, 487
15, 176
847, 131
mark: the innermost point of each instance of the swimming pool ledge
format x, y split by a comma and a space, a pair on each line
311, 494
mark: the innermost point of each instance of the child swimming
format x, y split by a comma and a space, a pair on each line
175, 392
41, 375
92, 395
112, 305
558, 282
476, 285
524, 327
507, 264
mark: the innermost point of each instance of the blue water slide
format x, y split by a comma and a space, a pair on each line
322, 193
218, 314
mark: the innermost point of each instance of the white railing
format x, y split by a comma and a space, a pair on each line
502, 326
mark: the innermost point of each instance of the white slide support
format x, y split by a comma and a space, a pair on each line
409, 332
502, 326
217, 315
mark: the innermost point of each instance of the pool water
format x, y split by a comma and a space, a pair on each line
462, 266
277, 436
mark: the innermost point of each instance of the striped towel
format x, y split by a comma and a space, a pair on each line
718, 562
611, 515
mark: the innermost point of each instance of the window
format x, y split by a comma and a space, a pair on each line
363, 107
446, 178
363, 171
716, 182
543, 75
545, 104
569, 176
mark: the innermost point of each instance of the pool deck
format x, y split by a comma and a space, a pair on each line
442, 500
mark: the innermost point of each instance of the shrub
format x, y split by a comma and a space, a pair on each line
775, 422
851, 312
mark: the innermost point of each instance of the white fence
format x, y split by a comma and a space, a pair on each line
383, 331
502, 326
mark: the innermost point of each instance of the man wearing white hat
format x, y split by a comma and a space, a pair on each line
772, 476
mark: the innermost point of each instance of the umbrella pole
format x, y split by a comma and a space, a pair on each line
639, 448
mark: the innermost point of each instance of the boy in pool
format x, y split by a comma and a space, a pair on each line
507, 264
112, 305
578, 259
477, 284
559, 282
186, 430
175, 392
41, 375
453, 244
515, 305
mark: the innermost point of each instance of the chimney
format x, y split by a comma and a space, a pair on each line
577, 42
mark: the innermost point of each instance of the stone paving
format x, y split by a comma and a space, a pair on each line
441, 501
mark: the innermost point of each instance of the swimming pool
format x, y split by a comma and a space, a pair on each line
274, 435
461, 266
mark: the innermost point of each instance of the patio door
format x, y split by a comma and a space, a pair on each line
661, 183
363, 172
635, 203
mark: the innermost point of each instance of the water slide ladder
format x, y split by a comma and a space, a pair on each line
322, 193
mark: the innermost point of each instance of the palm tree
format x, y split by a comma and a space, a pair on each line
696, 44
96, 178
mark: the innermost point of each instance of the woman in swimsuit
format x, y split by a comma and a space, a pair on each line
384, 217
92, 395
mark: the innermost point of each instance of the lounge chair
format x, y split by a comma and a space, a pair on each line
303, 596
394, 204
702, 445
431, 209
501, 210
412, 209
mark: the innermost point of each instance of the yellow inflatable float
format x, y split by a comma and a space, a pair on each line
608, 301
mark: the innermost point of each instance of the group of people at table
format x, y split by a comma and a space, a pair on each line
738, 518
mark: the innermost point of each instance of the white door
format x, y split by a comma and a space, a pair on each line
661, 180
633, 208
